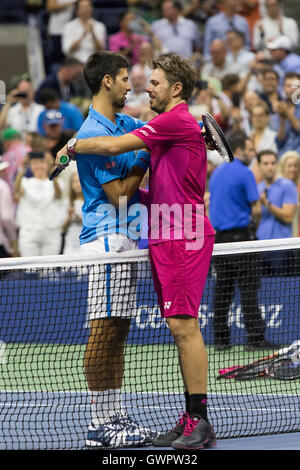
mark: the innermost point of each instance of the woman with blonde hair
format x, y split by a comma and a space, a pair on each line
289, 167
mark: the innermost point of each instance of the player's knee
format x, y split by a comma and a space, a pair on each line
181, 328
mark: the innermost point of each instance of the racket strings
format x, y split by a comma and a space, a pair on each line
216, 137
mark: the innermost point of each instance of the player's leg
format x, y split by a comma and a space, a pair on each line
104, 367
110, 310
182, 276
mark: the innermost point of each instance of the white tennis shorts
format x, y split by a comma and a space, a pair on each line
111, 287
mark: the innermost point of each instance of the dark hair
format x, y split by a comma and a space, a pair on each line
266, 152
230, 80
177, 69
100, 64
237, 33
291, 75
265, 72
71, 62
79, 1
48, 95
237, 140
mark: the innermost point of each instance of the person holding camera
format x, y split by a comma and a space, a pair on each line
20, 111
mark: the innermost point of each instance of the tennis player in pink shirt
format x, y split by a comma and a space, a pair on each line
181, 236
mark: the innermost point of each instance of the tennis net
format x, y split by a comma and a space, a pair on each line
46, 308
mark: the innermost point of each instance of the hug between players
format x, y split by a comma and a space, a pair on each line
125, 103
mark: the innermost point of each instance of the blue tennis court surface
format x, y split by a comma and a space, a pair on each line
59, 420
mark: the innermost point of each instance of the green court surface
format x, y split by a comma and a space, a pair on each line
149, 368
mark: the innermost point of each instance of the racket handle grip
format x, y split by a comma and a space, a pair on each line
64, 160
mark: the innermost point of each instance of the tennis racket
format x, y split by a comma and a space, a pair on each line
215, 137
257, 368
283, 369
64, 160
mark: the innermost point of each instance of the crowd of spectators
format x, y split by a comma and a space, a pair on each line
246, 53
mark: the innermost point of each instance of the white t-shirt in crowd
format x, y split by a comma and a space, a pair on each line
38, 209
24, 120
73, 31
58, 19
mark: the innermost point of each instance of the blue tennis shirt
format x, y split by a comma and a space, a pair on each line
99, 216
232, 190
282, 191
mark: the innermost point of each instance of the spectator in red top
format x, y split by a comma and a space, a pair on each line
126, 41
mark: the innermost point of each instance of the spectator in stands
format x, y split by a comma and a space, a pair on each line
250, 10
285, 60
137, 100
73, 223
230, 97
270, 94
149, 10
63, 80
289, 167
8, 232
39, 212
248, 101
145, 56
237, 52
73, 117
83, 35
176, 33
288, 119
205, 99
219, 65
20, 111
199, 11
60, 13
278, 197
14, 154
274, 24
55, 136
218, 25
234, 203
126, 41
262, 136
251, 77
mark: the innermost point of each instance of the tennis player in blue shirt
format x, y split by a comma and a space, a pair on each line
102, 181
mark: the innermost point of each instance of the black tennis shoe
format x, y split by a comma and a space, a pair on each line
165, 440
197, 434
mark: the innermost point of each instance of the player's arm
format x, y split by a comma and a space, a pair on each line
126, 187
104, 146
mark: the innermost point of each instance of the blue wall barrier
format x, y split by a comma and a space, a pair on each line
54, 309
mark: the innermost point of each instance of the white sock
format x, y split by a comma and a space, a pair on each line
105, 405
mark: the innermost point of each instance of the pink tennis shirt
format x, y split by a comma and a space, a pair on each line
175, 200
